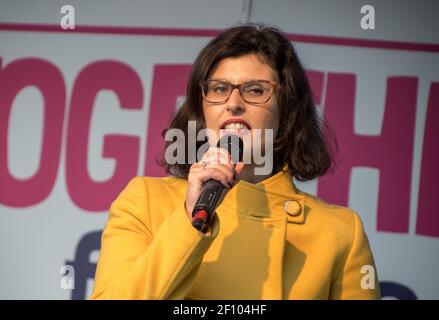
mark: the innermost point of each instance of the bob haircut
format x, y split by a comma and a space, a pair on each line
301, 141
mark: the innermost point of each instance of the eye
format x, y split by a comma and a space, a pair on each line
219, 88
255, 90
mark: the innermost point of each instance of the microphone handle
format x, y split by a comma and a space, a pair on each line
211, 192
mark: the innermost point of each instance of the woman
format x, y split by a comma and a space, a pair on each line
267, 239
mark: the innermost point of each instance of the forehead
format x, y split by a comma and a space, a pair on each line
241, 69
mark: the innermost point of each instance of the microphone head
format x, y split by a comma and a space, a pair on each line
234, 145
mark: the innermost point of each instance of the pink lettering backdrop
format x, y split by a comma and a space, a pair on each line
391, 152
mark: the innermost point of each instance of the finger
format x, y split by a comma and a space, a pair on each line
217, 174
214, 156
199, 170
226, 170
217, 159
239, 167
237, 172
219, 154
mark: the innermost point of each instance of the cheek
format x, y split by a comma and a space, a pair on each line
211, 117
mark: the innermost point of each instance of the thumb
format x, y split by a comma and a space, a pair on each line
239, 167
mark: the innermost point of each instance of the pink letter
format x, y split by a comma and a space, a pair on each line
169, 83
123, 80
391, 152
49, 81
315, 79
428, 208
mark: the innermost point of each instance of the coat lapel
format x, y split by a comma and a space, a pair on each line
246, 259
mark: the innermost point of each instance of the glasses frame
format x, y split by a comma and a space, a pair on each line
237, 86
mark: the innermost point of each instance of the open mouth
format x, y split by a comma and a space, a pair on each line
236, 126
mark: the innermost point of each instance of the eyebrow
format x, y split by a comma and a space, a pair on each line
251, 80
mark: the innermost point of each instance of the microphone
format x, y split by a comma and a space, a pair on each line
212, 189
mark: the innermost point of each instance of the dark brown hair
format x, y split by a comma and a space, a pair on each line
301, 141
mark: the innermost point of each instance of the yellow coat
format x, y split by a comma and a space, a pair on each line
261, 246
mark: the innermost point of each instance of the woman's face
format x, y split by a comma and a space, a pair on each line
221, 117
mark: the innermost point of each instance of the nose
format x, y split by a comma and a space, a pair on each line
235, 102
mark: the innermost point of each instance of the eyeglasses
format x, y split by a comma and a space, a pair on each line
254, 92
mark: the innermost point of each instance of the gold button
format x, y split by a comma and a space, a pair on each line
292, 207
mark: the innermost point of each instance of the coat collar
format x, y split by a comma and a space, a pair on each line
276, 196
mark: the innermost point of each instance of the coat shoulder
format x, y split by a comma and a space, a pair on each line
157, 186
341, 218
150, 199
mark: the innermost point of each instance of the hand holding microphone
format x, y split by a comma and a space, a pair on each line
210, 179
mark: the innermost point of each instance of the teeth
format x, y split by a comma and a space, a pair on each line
235, 126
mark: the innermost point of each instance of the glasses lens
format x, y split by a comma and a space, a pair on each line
216, 91
256, 91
